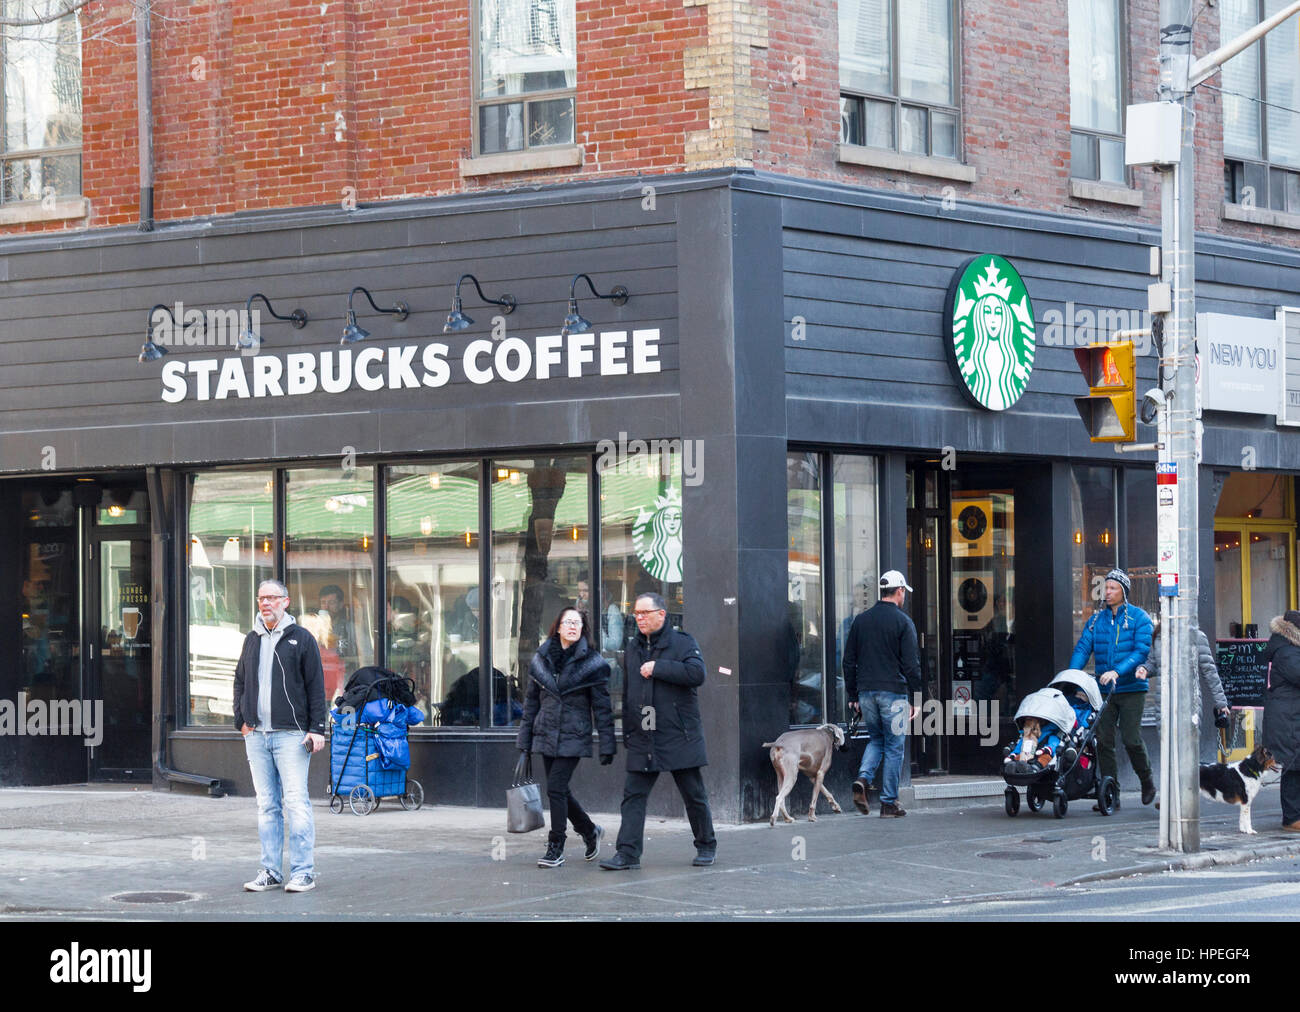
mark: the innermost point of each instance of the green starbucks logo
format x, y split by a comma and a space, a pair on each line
992, 343
657, 537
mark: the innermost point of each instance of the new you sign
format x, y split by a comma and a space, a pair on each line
1240, 363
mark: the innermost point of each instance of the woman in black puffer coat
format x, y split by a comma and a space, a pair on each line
1282, 710
568, 686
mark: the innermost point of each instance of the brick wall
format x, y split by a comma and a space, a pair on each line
267, 104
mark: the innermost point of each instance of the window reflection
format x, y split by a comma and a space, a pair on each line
433, 596
230, 552
330, 565
539, 557
803, 633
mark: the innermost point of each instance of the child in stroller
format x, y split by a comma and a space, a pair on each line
1055, 755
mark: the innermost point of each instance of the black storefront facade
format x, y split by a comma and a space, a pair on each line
432, 499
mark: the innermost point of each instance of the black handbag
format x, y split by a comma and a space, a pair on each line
524, 799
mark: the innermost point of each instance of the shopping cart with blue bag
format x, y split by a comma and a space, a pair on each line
370, 754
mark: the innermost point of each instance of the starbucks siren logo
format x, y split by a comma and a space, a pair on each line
992, 346
657, 537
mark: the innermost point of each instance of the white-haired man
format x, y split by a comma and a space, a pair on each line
280, 710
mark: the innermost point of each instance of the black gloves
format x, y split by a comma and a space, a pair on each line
1220, 718
605, 760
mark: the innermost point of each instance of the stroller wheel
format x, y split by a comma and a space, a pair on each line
1107, 796
361, 800
1012, 799
1059, 804
414, 796
1033, 799
336, 804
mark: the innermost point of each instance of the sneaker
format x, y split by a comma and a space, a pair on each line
620, 862
264, 881
888, 811
1148, 792
704, 858
593, 843
300, 884
860, 801
554, 856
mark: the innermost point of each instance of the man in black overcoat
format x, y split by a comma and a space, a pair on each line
662, 731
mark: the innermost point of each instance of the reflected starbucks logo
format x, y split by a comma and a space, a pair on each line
657, 537
992, 344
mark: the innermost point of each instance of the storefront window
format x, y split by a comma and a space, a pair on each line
230, 551
641, 548
433, 586
857, 565
329, 559
539, 560
51, 611
122, 508
1093, 541
983, 538
1254, 554
804, 626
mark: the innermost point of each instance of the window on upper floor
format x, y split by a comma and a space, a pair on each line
898, 76
526, 72
1096, 91
40, 116
1261, 110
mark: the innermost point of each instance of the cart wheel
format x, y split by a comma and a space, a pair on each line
336, 804
414, 796
1033, 799
1012, 801
1107, 796
361, 800
1059, 805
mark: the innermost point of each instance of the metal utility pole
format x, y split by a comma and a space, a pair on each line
1181, 425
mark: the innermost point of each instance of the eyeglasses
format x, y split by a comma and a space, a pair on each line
272, 597
572, 621
647, 614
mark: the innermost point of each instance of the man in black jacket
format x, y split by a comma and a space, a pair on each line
882, 667
280, 710
662, 731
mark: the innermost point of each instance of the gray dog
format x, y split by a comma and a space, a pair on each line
805, 751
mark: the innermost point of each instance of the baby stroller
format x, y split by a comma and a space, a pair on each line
1063, 766
369, 751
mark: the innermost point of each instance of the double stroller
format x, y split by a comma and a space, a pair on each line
1055, 757
370, 755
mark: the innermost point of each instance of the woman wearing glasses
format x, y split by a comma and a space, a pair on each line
568, 692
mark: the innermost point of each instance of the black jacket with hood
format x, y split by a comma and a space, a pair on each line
662, 729
1282, 697
559, 705
297, 682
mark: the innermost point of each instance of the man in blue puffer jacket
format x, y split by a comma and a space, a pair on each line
1119, 638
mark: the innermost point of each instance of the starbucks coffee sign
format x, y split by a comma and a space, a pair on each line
990, 338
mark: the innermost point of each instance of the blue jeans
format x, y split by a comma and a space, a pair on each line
884, 717
279, 765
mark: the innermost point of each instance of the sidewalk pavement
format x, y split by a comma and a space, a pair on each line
80, 851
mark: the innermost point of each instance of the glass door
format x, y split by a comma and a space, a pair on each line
119, 681
927, 561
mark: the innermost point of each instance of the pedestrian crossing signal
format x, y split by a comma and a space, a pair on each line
1110, 410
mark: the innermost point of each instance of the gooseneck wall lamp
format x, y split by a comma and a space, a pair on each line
457, 320
351, 332
573, 322
150, 352
249, 338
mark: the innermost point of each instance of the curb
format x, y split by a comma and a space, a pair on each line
1238, 855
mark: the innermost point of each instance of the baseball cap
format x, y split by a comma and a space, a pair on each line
892, 580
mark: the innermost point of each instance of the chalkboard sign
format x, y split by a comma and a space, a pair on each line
1243, 671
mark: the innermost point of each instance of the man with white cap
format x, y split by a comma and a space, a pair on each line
882, 667
1118, 637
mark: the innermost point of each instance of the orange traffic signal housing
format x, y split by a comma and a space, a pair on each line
1110, 409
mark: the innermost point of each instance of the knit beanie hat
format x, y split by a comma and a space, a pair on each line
1293, 617
1121, 577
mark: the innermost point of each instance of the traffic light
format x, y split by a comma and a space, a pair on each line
1109, 409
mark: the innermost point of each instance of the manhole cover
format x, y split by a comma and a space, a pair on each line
1011, 855
159, 897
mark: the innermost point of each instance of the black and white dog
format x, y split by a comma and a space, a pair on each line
1238, 783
